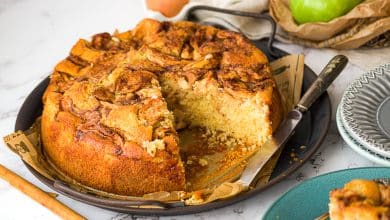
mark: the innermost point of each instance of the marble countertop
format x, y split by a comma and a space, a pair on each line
35, 34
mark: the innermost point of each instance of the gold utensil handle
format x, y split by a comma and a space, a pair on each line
319, 86
324, 216
38, 195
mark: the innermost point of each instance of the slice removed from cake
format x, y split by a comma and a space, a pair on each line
112, 107
212, 78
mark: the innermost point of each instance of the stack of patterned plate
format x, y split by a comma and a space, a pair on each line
363, 116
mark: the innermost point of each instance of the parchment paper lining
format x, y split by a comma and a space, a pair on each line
288, 73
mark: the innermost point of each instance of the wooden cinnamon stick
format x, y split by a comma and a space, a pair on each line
38, 195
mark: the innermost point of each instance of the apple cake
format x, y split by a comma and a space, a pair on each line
114, 105
360, 199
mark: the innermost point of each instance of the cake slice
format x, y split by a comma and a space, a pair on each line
360, 199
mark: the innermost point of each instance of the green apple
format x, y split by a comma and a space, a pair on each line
305, 11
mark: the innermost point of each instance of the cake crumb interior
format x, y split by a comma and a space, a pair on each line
209, 107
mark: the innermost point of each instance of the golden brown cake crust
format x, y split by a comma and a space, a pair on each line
105, 122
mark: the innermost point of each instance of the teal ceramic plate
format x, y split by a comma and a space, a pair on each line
310, 199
